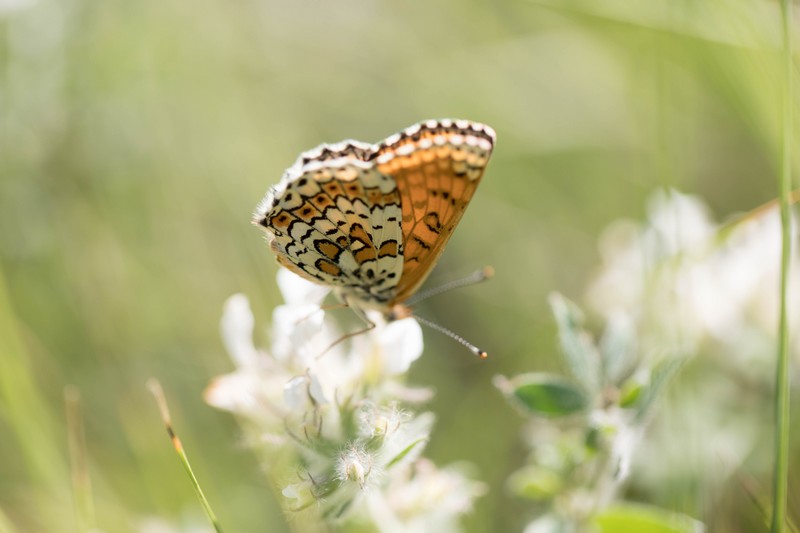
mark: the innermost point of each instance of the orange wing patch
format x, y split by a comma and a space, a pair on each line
437, 166
370, 220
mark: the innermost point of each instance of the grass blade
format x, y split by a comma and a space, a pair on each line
781, 475
158, 393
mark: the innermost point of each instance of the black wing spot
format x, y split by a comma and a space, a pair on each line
421, 242
433, 223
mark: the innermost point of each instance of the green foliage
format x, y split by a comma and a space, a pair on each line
576, 344
546, 395
596, 450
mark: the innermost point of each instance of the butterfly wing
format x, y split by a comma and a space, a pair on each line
335, 219
437, 166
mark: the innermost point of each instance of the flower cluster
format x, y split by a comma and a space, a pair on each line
699, 288
583, 430
332, 416
673, 288
689, 280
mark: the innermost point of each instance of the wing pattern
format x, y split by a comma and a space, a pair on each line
372, 220
335, 219
437, 166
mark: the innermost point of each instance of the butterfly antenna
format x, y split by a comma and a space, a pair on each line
458, 338
476, 277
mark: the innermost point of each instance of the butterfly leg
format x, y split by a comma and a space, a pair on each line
321, 308
363, 316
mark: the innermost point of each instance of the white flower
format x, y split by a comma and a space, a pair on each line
334, 406
401, 344
298, 291
684, 282
237, 331
299, 494
355, 464
376, 421
423, 498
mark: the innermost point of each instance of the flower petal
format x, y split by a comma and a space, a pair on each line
237, 392
295, 393
298, 291
293, 327
237, 330
401, 344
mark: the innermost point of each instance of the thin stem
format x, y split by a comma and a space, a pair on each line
158, 393
782, 374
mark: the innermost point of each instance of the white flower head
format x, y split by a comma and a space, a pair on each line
685, 283
678, 223
313, 399
377, 421
421, 497
299, 494
356, 465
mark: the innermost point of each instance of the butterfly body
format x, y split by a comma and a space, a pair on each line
372, 220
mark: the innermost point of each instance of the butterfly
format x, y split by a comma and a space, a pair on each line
371, 220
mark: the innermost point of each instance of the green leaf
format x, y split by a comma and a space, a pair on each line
535, 483
405, 451
659, 377
576, 344
633, 518
544, 394
630, 393
617, 347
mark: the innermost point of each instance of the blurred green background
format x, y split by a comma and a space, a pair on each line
137, 137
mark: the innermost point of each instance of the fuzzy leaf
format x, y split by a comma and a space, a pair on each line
544, 394
404, 452
617, 347
630, 393
659, 377
576, 344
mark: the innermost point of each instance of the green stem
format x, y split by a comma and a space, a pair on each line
782, 375
158, 393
